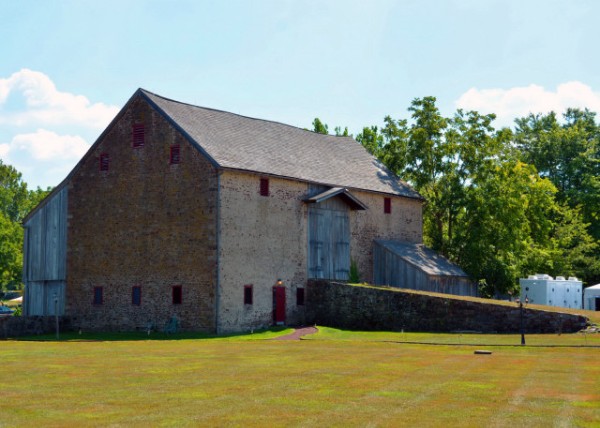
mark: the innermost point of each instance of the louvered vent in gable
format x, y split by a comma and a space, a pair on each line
138, 135
104, 162
175, 154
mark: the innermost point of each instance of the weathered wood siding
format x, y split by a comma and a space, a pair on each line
40, 298
44, 257
390, 269
329, 240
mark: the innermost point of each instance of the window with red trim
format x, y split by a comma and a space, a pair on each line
138, 135
264, 187
177, 295
248, 295
387, 205
175, 154
136, 295
98, 295
104, 162
300, 296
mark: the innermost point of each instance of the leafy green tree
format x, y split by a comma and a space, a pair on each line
372, 140
11, 253
13, 193
488, 208
15, 202
507, 219
569, 155
341, 133
320, 127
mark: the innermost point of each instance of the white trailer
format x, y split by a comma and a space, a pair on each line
591, 298
542, 289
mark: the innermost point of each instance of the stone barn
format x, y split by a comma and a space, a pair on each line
208, 216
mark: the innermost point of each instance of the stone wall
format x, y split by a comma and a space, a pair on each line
144, 222
262, 239
15, 326
376, 308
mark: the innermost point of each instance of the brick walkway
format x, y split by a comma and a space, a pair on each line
298, 333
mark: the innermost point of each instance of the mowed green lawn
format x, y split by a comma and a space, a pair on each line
336, 378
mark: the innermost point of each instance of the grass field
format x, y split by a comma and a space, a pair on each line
337, 378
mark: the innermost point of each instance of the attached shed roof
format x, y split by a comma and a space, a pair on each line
243, 143
422, 257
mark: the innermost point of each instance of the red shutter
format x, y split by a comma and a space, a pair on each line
264, 187
175, 154
300, 296
98, 295
104, 162
387, 205
137, 135
248, 297
177, 295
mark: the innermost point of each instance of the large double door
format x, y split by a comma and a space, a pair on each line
329, 240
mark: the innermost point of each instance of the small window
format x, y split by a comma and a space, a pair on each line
248, 297
300, 296
138, 135
136, 295
264, 187
98, 295
177, 295
104, 162
175, 154
387, 205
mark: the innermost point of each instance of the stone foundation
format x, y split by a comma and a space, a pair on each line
15, 326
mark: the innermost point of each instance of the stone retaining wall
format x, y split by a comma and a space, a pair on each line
370, 308
15, 326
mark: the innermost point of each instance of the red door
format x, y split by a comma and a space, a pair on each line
279, 305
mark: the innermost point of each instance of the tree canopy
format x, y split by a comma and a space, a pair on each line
500, 203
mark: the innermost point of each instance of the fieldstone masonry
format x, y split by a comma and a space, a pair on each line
144, 222
376, 308
15, 326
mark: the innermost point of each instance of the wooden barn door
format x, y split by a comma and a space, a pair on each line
329, 240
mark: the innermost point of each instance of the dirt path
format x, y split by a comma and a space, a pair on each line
298, 333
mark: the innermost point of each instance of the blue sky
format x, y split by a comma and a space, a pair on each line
67, 67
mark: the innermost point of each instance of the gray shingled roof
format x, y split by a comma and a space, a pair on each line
238, 142
422, 257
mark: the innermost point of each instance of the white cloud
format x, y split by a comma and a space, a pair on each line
46, 145
44, 131
509, 104
48, 106
4, 149
43, 157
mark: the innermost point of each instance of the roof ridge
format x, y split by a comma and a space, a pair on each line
147, 92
